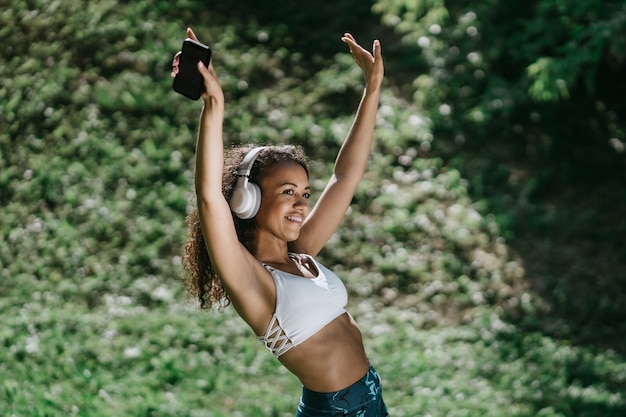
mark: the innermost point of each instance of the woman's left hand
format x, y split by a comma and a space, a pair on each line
370, 62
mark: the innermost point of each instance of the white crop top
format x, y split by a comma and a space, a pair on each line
303, 306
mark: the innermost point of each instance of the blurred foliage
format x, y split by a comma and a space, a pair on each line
539, 80
443, 248
526, 100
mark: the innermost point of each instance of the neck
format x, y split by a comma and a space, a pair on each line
273, 251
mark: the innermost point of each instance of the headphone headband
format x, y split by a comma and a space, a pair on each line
246, 165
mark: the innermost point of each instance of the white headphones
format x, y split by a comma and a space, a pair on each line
246, 198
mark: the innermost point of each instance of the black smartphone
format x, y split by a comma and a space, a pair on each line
189, 81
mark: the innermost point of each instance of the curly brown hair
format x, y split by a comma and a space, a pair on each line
200, 278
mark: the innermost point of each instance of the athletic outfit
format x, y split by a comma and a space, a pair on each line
364, 398
303, 307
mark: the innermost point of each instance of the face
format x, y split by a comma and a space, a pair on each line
285, 196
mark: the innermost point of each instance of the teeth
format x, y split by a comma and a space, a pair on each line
294, 219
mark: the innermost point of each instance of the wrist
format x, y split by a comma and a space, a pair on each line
212, 106
371, 89
213, 101
373, 82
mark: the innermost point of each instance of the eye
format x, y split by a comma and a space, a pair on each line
289, 191
306, 195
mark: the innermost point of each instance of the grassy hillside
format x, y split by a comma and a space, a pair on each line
95, 181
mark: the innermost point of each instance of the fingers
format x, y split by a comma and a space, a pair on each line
376, 48
208, 73
378, 54
204, 70
191, 35
370, 62
356, 48
175, 63
176, 60
348, 39
378, 60
211, 83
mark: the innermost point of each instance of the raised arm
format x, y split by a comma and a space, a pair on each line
352, 157
235, 266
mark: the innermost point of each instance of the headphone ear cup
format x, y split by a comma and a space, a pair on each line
246, 199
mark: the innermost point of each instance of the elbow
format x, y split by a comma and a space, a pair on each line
349, 178
201, 195
348, 183
206, 200
207, 193
210, 204
202, 200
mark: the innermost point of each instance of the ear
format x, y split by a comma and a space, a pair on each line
246, 199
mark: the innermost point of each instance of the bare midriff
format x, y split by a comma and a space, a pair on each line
330, 360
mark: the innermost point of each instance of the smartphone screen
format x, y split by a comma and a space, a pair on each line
188, 81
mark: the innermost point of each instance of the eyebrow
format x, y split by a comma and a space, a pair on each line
294, 185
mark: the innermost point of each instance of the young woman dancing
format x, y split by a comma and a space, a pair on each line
253, 241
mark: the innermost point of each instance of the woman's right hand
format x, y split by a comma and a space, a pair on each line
213, 93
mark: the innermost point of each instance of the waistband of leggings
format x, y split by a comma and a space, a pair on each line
308, 395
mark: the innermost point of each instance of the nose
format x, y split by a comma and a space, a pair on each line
301, 202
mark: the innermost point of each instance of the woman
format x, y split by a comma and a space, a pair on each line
261, 259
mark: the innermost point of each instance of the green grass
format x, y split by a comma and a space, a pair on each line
124, 359
59, 358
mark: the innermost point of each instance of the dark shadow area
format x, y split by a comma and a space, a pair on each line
563, 200
575, 261
300, 26
298, 29
568, 228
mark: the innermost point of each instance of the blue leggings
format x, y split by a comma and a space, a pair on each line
364, 398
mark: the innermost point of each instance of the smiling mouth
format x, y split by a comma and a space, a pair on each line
295, 219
